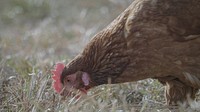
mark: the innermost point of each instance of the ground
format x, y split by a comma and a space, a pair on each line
35, 34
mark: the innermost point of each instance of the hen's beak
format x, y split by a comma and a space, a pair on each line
83, 90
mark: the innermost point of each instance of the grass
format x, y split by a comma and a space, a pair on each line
40, 33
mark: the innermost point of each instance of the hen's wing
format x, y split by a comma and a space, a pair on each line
164, 40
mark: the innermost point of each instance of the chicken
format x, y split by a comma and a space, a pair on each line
157, 39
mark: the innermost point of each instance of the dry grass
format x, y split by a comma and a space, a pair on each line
34, 34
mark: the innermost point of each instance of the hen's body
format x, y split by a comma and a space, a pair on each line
151, 39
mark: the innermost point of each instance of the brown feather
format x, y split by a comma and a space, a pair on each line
151, 39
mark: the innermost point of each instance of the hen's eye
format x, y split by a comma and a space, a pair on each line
68, 80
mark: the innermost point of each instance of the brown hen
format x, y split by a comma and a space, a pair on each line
157, 39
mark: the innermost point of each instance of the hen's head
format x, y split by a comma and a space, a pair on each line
67, 80
103, 57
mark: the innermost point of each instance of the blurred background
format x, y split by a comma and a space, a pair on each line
47, 30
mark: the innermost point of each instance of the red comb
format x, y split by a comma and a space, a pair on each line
56, 76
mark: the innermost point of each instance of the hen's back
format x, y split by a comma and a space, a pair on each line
163, 39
